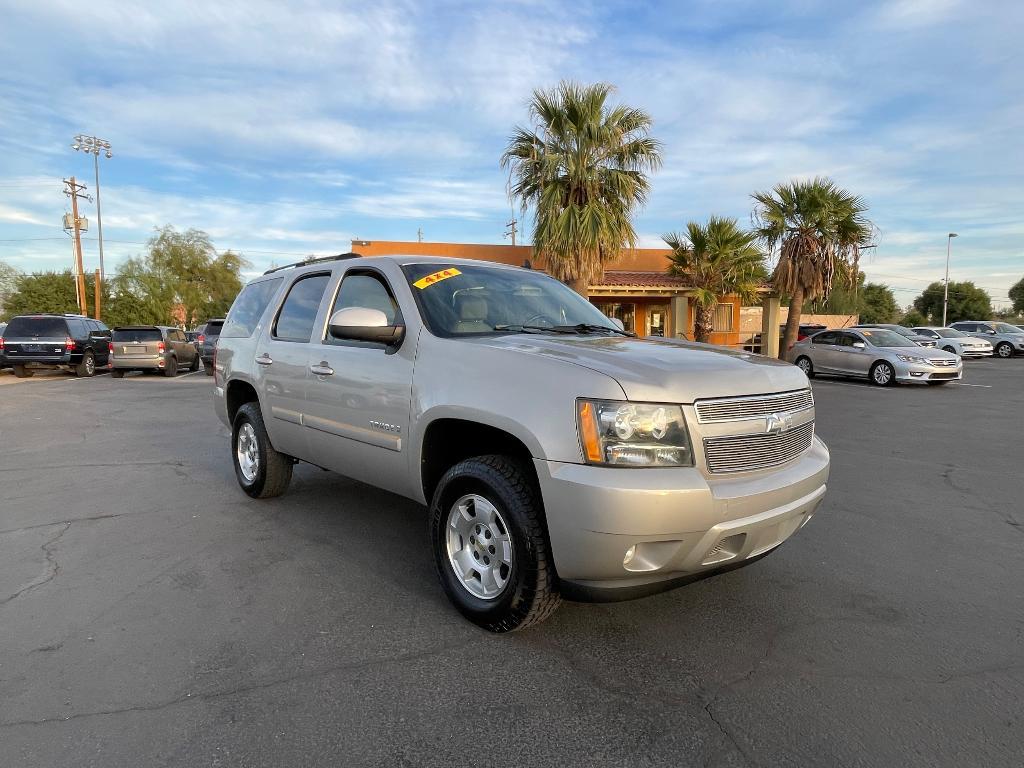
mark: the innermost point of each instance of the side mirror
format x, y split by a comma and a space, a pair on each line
859, 345
364, 324
617, 323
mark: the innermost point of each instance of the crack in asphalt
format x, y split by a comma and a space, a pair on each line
69, 521
727, 735
247, 688
51, 561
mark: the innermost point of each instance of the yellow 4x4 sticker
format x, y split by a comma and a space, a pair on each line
436, 277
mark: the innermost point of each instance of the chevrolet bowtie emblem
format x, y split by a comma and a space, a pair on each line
777, 423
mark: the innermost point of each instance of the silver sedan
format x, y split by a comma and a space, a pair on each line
952, 340
876, 354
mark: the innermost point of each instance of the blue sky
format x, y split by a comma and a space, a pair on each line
285, 129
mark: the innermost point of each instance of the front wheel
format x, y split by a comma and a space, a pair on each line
805, 365
88, 365
490, 544
1004, 349
949, 349
261, 470
195, 364
882, 374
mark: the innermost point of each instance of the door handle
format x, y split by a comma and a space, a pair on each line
322, 369
264, 359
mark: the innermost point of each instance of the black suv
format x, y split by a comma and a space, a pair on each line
54, 341
207, 335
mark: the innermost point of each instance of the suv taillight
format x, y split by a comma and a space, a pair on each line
1, 342
69, 343
110, 347
200, 338
161, 347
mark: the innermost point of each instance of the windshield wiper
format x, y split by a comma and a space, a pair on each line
535, 328
591, 328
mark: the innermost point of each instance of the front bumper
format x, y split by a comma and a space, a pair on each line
911, 372
681, 524
977, 352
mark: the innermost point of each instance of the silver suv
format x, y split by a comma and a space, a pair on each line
558, 454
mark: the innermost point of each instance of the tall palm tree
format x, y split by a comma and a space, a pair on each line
815, 230
582, 165
716, 259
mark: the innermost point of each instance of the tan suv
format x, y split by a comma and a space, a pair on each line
150, 348
558, 454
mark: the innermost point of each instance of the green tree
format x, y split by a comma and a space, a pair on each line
717, 259
8, 284
181, 277
47, 292
877, 304
815, 230
1017, 295
582, 166
966, 302
913, 319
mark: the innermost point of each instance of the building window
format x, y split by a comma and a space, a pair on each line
624, 312
723, 318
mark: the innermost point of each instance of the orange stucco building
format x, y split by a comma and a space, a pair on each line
635, 289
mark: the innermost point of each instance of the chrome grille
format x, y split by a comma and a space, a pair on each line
752, 407
743, 453
942, 362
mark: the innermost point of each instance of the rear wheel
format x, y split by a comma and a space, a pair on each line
171, 369
490, 544
22, 372
882, 374
195, 364
117, 373
805, 365
208, 369
1004, 349
88, 365
261, 470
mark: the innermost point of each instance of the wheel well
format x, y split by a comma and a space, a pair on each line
238, 394
449, 441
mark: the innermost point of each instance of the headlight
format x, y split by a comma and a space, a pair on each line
911, 359
633, 434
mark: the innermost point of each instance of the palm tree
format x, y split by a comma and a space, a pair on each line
716, 259
582, 166
816, 231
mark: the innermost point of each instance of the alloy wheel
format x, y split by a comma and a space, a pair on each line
882, 374
247, 452
479, 547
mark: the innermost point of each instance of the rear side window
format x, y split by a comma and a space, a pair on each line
136, 334
214, 328
248, 308
824, 338
49, 327
298, 313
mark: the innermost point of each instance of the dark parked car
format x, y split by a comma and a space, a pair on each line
208, 333
150, 348
32, 342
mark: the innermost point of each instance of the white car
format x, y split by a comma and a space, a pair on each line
957, 342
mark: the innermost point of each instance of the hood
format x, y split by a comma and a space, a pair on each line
661, 370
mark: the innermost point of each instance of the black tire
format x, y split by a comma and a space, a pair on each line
208, 369
876, 376
117, 373
22, 372
1004, 349
195, 364
809, 370
171, 369
531, 593
949, 349
274, 470
87, 367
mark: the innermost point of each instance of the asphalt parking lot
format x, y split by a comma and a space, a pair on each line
153, 615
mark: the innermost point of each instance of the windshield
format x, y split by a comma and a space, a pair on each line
471, 300
950, 333
1006, 328
880, 337
135, 334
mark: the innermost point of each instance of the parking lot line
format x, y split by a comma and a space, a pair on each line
962, 384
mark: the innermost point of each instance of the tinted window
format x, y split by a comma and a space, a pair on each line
847, 339
214, 328
824, 338
135, 334
298, 313
51, 327
248, 308
77, 328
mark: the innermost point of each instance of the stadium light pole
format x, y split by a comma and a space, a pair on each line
95, 146
945, 296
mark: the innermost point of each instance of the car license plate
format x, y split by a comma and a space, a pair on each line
30, 348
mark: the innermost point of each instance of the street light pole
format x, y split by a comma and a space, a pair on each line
945, 296
92, 145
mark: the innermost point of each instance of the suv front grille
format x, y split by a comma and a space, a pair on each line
744, 453
752, 407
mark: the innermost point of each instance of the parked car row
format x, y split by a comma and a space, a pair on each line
886, 354
81, 344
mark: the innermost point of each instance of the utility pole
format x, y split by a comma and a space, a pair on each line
419, 235
74, 191
945, 293
510, 230
97, 285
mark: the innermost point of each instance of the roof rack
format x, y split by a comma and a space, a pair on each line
307, 262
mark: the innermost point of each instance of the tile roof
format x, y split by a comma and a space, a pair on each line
625, 279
